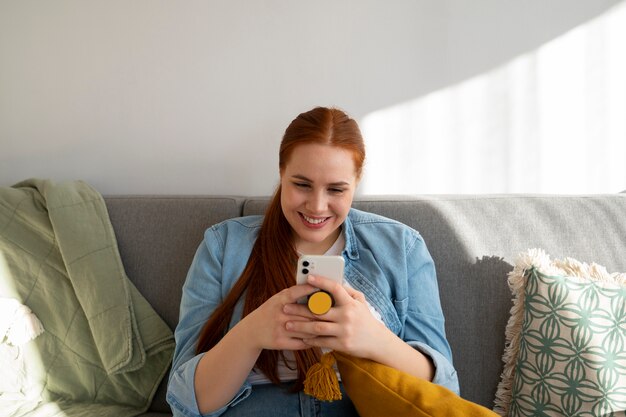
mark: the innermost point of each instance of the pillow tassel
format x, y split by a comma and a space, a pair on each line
321, 380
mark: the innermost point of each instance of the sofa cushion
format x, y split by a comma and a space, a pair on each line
566, 340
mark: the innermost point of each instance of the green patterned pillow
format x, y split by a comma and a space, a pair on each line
566, 340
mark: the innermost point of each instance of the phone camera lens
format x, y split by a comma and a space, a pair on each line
305, 263
305, 271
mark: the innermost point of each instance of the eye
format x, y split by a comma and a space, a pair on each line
336, 190
303, 185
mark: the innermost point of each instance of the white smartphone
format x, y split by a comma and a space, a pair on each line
327, 266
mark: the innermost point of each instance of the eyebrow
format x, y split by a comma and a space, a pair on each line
333, 184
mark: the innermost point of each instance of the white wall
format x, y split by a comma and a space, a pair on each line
192, 97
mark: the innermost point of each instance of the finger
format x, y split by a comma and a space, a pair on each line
314, 328
299, 335
300, 310
334, 288
292, 330
326, 342
295, 344
355, 294
292, 294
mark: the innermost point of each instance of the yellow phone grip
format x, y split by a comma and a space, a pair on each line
320, 302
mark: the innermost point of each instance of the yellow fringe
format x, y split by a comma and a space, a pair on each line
321, 380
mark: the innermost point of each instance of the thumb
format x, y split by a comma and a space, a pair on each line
357, 295
292, 294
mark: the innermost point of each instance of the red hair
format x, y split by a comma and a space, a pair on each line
272, 262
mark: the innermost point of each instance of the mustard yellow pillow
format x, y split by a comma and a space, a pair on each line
378, 390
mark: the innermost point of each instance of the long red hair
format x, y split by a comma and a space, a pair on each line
272, 262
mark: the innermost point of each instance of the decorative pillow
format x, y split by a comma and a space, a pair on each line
378, 390
566, 340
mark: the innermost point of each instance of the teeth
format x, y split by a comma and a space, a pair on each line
313, 221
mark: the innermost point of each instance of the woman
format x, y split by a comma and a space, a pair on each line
244, 344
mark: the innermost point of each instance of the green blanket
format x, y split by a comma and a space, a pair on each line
104, 350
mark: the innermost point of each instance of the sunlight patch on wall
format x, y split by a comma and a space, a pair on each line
550, 121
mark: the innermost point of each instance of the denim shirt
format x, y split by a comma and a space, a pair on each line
384, 259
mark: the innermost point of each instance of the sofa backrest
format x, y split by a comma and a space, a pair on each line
157, 238
473, 239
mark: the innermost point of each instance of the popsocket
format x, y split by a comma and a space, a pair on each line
320, 302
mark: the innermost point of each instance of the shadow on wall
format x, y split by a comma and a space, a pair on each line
537, 124
470, 39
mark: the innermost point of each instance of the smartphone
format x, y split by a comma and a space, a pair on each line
327, 266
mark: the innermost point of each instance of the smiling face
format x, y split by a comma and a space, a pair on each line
317, 188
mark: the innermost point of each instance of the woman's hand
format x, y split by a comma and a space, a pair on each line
348, 326
223, 368
267, 324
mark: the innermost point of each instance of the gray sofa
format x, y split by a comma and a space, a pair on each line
474, 240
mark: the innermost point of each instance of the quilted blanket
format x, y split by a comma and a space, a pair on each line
103, 350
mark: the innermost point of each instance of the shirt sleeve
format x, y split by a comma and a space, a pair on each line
424, 328
202, 293
445, 374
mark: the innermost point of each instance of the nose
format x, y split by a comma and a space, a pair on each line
317, 203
